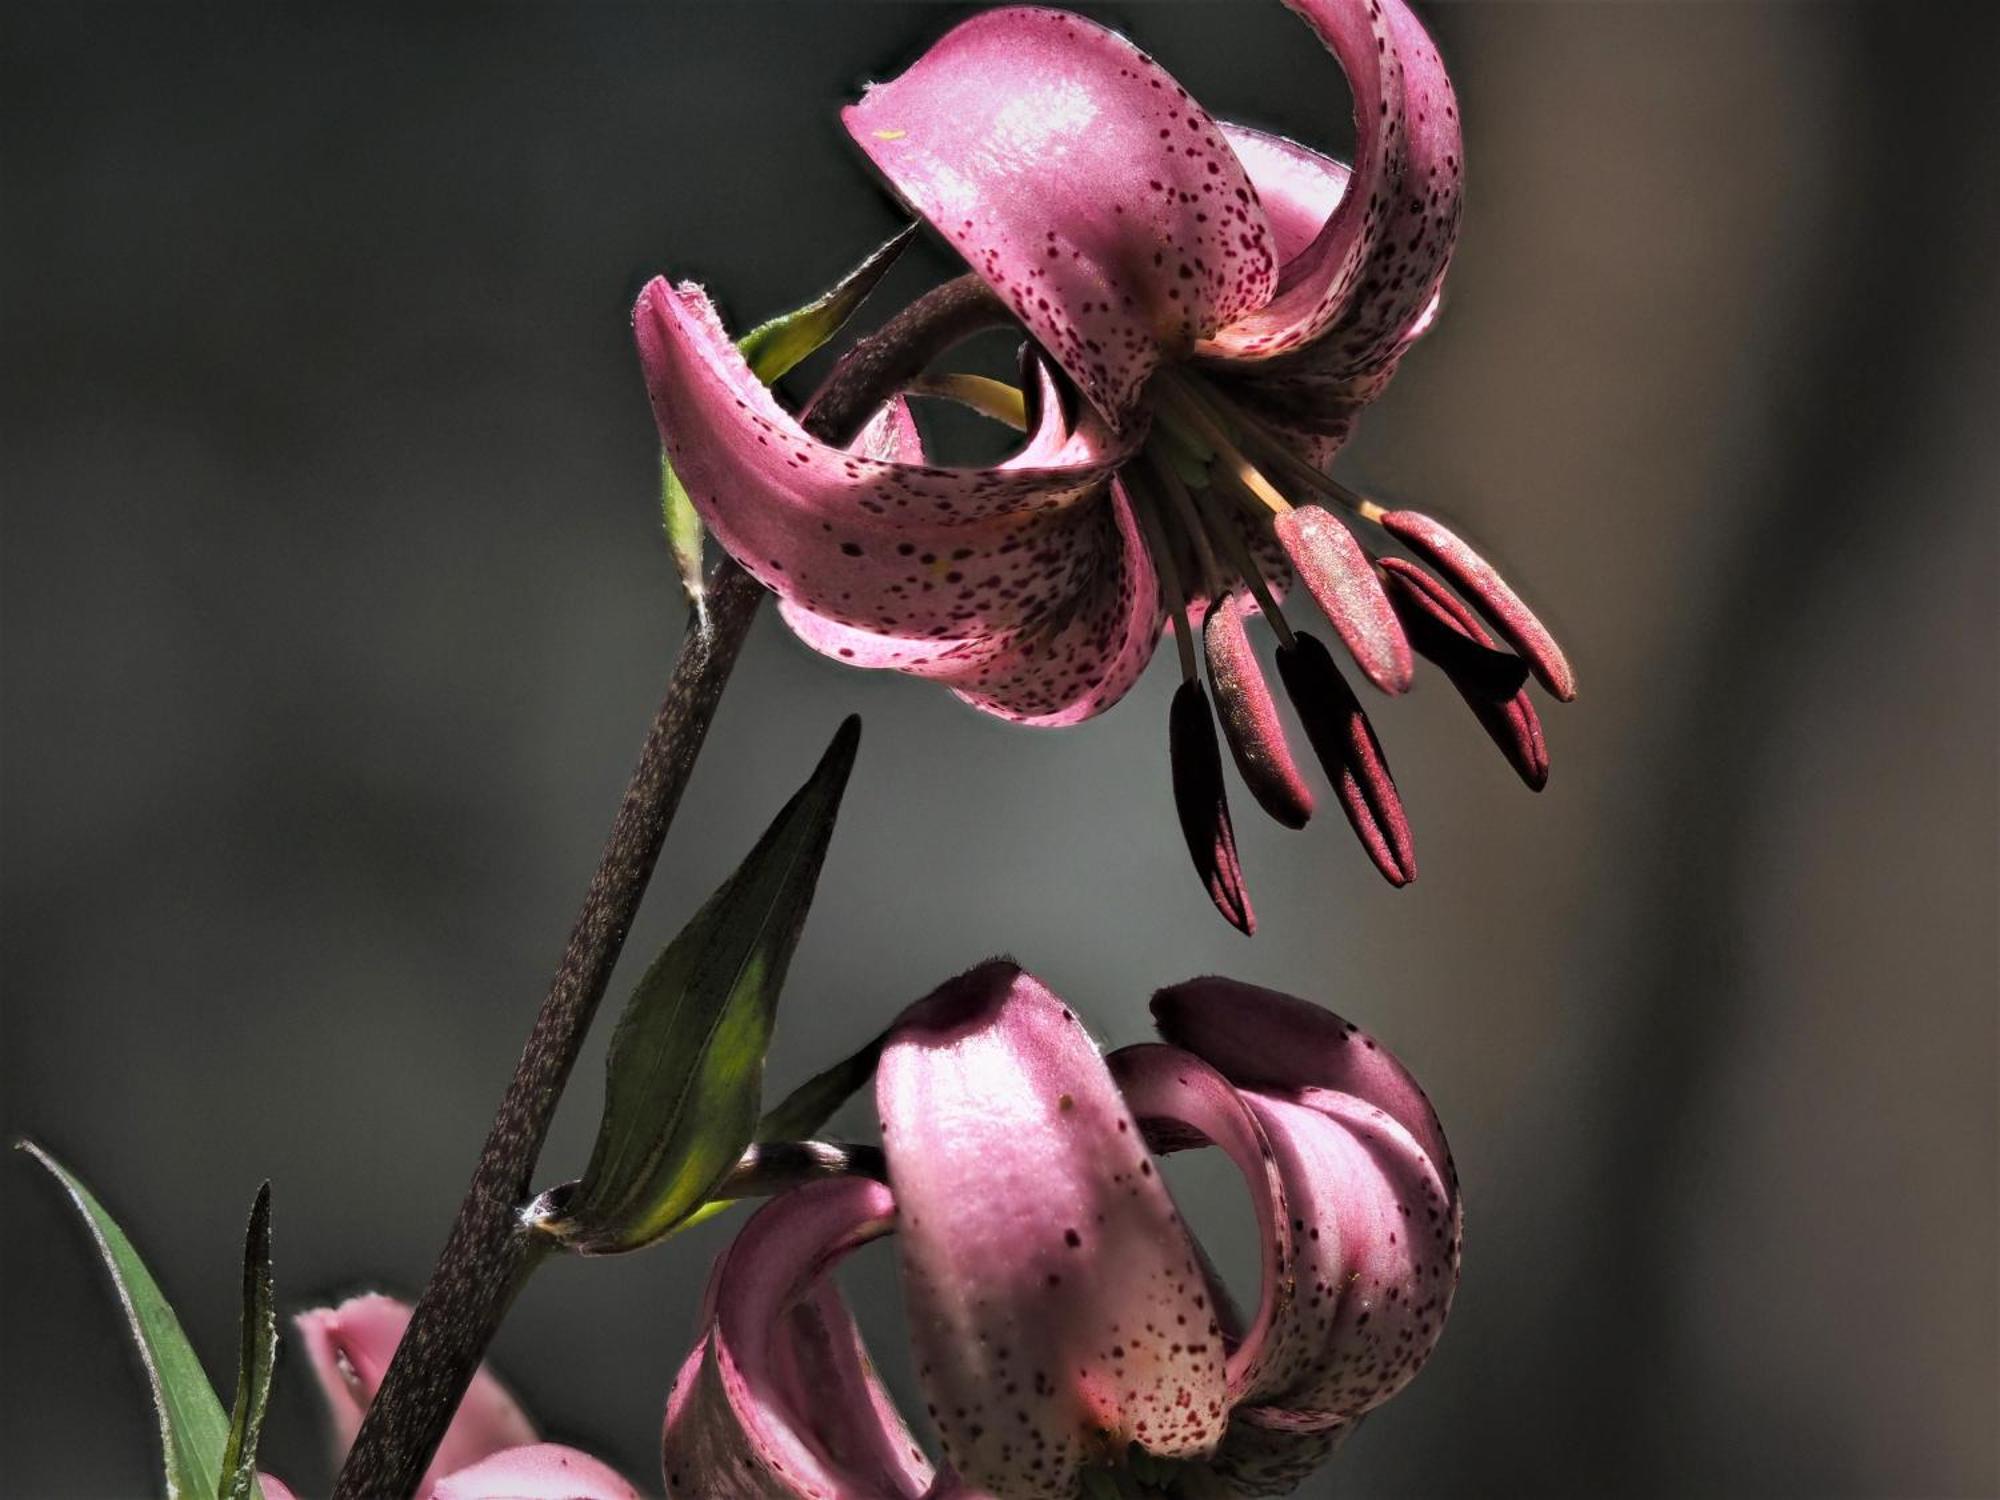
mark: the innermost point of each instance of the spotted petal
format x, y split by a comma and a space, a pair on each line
1067, 667
887, 546
1057, 1307
1371, 1191
1181, 1101
778, 1400
1083, 184
1367, 282
349, 1348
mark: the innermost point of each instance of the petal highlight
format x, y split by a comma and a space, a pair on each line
1057, 1307
1084, 184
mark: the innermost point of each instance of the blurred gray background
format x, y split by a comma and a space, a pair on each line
335, 606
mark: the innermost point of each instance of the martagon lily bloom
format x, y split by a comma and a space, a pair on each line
490, 1452
1225, 301
1069, 1334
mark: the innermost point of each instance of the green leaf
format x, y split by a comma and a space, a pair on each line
686, 1068
801, 1113
193, 1427
259, 1352
771, 349
685, 533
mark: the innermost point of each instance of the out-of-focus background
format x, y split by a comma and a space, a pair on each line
335, 605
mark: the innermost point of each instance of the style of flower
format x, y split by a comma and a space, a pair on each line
490, 1452
1070, 1335
1225, 301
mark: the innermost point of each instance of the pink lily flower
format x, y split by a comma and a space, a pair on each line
1069, 1334
1225, 301
490, 1452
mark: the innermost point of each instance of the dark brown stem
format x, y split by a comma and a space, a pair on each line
487, 1257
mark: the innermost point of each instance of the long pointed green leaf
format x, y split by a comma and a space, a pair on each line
806, 1108
686, 1068
254, 1362
801, 1113
770, 349
685, 533
193, 1426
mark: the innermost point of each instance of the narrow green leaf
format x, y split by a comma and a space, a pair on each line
686, 1069
770, 349
685, 533
801, 1113
193, 1426
258, 1353
773, 348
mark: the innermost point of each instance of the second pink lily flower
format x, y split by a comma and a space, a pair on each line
1068, 1331
1225, 301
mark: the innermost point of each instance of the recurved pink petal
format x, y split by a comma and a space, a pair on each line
273, 1488
1342, 581
1298, 187
1351, 756
350, 1347
1365, 1170
1476, 578
1276, 1043
779, 1401
1057, 1308
888, 546
1367, 284
1082, 183
542, 1471
1180, 1101
1250, 716
1084, 657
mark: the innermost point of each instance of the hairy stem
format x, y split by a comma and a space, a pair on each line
487, 1257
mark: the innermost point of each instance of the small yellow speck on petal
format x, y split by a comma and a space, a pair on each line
890, 135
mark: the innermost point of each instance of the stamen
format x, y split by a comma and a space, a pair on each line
1004, 403
1247, 565
1146, 505
1177, 493
1229, 457
1274, 446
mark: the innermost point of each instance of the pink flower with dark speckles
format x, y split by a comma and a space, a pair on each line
1224, 302
1069, 1334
